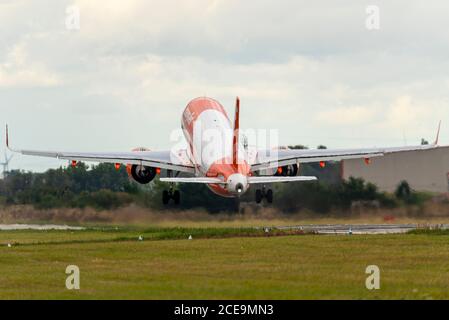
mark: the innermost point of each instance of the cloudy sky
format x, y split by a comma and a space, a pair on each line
319, 71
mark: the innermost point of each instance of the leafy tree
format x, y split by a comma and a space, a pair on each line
104, 187
298, 147
403, 191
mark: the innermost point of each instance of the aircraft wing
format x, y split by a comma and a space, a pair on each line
269, 179
277, 158
170, 160
157, 159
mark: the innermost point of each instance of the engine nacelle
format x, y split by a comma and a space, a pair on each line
142, 174
290, 170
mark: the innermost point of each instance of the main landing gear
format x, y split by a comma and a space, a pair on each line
171, 194
264, 193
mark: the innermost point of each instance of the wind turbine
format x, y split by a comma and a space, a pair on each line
5, 164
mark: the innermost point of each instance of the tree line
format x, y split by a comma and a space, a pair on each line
103, 187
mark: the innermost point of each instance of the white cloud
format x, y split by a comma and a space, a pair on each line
19, 71
354, 116
310, 69
403, 113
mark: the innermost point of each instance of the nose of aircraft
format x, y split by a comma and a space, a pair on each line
237, 184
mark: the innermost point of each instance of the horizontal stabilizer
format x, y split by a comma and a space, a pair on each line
204, 180
271, 179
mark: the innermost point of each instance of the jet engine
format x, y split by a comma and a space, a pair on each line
141, 174
290, 170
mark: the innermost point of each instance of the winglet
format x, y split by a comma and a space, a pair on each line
235, 141
438, 134
7, 137
7, 141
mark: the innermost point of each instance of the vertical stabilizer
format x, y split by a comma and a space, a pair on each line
235, 140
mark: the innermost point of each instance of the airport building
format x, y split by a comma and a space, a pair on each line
423, 170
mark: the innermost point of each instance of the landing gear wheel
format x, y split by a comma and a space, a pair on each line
264, 193
171, 194
165, 197
177, 196
269, 196
259, 196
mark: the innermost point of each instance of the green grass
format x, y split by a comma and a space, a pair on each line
111, 234
434, 232
220, 264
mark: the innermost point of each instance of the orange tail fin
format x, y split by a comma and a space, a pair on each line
235, 141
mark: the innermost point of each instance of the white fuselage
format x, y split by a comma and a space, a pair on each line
209, 134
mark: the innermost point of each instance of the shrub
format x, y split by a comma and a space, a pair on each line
104, 199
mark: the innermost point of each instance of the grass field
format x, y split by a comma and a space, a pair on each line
220, 263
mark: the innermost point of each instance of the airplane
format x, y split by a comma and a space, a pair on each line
229, 172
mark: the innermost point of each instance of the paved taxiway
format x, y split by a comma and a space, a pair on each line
37, 227
313, 228
361, 228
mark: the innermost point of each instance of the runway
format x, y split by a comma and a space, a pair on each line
360, 228
9, 227
336, 229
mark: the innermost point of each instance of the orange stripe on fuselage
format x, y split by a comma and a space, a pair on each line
194, 109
